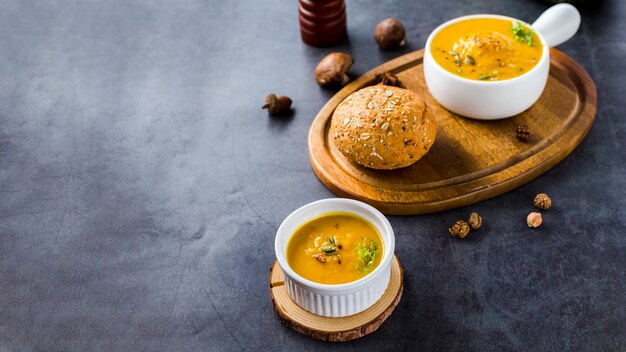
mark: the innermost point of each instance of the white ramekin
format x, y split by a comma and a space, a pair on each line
490, 100
342, 299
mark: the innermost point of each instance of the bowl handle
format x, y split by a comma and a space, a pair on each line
558, 23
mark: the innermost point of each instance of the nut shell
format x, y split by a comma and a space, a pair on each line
333, 69
534, 219
390, 34
383, 127
475, 221
542, 201
276, 105
460, 229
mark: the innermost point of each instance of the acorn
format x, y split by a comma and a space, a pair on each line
276, 105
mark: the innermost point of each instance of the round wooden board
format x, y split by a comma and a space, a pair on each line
471, 160
335, 329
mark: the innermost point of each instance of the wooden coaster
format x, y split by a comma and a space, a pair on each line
335, 329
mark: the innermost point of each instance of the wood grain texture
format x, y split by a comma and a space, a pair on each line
335, 329
471, 160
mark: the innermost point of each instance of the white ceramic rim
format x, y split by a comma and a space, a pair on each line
388, 245
545, 55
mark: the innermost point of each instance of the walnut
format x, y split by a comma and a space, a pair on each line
542, 201
320, 258
460, 229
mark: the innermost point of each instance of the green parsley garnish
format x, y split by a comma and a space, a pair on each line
523, 34
366, 254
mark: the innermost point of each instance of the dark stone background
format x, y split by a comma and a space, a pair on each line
141, 186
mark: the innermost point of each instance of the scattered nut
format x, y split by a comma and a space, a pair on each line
475, 221
276, 104
534, 219
522, 132
319, 257
387, 79
460, 229
542, 201
390, 34
333, 69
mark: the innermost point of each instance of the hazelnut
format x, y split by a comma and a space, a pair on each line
460, 229
276, 104
333, 69
390, 34
542, 201
475, 221
534, 219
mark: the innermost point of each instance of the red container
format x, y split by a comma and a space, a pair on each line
323, 22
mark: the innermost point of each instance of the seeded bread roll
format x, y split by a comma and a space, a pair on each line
383, 127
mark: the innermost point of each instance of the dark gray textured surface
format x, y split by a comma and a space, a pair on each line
141, 187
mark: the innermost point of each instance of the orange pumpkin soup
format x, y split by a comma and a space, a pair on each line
335, 248
487, 49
